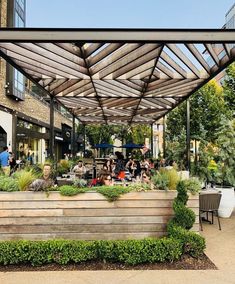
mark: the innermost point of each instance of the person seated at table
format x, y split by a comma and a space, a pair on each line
134, 167
46, 181
79, 169
145, 164
130, 165
106, 179
145, 177
119, 167
108, 165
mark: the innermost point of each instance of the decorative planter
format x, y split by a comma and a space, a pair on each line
227, 201
87, 216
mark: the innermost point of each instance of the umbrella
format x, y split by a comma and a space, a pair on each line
132, 146
103, 146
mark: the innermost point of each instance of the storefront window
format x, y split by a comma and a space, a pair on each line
29, 125
30, 145
28, 150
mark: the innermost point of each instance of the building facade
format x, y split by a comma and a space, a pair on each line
24, 115
230, 18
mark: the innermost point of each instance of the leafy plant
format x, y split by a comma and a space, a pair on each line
69, 190
139, 186
173, 178
160, 180
193, 185
25, 178
226, 154
80, 183
112, 192
8, 183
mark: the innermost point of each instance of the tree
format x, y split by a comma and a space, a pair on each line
226, 153
229, 88
207, 106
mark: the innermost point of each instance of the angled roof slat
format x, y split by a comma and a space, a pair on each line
192, 48
184, 59
212, 53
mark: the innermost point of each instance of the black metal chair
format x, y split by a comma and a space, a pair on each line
209, 203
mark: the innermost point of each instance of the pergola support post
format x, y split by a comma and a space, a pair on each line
84, 140
151, 140
73, 148
52, 130
188, 135
164, 136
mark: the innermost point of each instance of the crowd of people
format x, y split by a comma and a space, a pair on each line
112, 171
119, 170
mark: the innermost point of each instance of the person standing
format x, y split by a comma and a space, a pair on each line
4, 160
12, 163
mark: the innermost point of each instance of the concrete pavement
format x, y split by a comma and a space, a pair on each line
220, 249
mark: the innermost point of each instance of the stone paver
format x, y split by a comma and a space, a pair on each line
220, 249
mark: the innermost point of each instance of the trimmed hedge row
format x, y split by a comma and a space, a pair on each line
130, 252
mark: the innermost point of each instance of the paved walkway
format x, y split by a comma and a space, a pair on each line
220, 249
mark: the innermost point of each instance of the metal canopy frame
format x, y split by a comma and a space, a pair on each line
117, 76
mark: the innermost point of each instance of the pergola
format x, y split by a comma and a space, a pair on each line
113, 76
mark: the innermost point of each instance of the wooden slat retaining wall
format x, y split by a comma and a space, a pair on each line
88, 216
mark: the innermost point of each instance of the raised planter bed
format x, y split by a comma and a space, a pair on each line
87, 216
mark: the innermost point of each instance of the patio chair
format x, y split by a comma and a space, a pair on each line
209, 203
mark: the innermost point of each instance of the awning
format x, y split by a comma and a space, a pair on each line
118, 75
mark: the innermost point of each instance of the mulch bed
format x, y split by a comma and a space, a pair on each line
185, 263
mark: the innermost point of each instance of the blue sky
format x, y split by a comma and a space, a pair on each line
127, 13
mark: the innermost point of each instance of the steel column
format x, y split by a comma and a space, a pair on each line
151, 140
13, 142
188, 135
84, 139
73, 148
164, 137
52, 131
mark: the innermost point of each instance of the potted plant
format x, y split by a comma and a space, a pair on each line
225, 174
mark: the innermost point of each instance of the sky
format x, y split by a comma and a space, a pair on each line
127, 13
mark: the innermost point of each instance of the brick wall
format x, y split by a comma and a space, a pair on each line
31, 106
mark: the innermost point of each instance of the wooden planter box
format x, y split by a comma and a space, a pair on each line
87, 216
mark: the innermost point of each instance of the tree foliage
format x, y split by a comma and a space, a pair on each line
229, 88
107, 133
206, 109
211, 109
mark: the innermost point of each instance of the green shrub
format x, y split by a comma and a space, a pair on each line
139, 186
8, 184
184, 216
160, 180
192, 243
182, 195
70, 190
112, 193
192, 185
